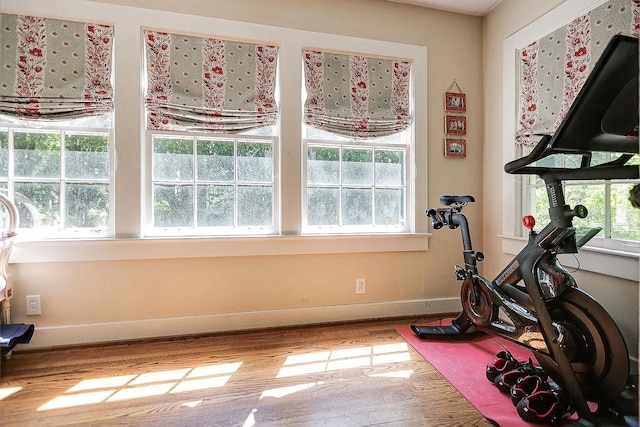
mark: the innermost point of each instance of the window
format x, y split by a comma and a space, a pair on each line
205, 178
59, 180
212, 185
55, 125
357, 144
354, 188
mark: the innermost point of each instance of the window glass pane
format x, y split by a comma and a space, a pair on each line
255, 162
591, 196
255, 206
323, 206
4, 153
173, 205
599, 158
357, 166
351, 177
389, 165
323, 165
215, 205
357, 206
214, 197
37, 154
87, 206
625, 219
215, 160
173, 159
539, 206
571, 161
86, 156
38, 204
389, 207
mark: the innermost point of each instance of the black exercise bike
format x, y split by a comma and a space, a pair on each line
535, 301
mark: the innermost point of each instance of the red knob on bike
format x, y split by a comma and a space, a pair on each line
529, 221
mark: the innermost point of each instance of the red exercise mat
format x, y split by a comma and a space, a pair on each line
463, 361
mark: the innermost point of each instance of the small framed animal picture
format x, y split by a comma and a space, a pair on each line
455, 101
455, 148
456, 125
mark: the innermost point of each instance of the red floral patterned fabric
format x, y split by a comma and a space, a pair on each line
53, 69
554, 68
196, 83
355, 95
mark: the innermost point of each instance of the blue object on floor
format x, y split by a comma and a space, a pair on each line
14, 334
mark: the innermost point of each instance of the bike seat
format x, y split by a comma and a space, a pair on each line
449, 200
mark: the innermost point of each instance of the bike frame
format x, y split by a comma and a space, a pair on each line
520, 313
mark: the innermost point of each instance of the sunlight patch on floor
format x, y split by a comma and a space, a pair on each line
193, 403
78, 399
396, 374
8, 391
349, 358
147, 384
186, 379
285, 391
251, 419
97, 383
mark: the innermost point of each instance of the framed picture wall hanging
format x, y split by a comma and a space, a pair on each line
455, 122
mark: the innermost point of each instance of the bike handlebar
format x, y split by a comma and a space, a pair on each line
515, 165
435, 220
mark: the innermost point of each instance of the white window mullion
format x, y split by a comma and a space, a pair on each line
292, 153
607, 209
62, 182
129, 149
11, 172
236, 191
373, 187
340, 187
194, 182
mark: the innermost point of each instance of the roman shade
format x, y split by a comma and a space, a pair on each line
358, 96
205, 84
53, 69
554, 68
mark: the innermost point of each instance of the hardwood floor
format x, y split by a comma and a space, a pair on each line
360, 374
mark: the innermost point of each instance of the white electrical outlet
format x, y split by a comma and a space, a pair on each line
360, 286
33, 305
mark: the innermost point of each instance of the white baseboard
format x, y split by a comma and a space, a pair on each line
64, 335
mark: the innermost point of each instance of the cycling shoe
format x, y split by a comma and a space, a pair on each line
506, 380
526, 386
545, 406
504, 362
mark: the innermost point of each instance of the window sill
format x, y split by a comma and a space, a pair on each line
157, 248
624, 265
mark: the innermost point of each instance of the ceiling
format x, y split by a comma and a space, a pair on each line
468, 7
